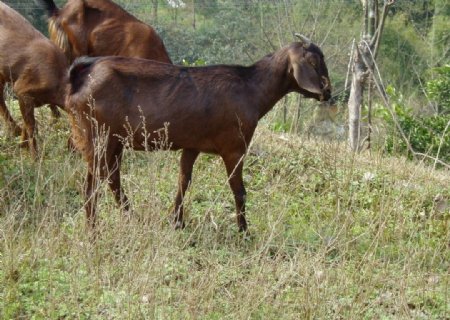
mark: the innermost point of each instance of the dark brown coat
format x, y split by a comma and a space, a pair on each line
150, 105
101, 28
35, 67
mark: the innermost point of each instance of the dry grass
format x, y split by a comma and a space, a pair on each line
333, 236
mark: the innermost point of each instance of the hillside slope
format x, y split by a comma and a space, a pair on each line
332, 236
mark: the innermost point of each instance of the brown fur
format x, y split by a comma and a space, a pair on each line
102, 28
34, 66
212, 109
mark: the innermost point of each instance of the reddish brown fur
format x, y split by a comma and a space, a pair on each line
211, 109
34, 66
102, 28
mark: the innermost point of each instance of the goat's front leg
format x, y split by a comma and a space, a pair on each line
234, 164
29, 127
188, 157
112, 172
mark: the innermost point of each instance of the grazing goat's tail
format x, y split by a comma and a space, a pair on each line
49, 6
78, 72
57, 32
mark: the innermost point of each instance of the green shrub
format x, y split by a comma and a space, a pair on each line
438, 89
426, 134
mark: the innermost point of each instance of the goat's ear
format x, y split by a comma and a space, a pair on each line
306, 77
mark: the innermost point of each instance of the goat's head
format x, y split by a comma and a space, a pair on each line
307, 66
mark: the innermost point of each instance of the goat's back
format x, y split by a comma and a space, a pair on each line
27, 52
102, 28
200, 105
15, 26
36, 67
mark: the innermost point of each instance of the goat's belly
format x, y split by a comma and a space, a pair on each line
162, 140
169, 145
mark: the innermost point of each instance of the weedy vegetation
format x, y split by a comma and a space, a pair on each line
333, 235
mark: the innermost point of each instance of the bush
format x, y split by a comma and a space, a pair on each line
438, 89
426, 134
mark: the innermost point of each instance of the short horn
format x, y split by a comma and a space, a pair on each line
303, 39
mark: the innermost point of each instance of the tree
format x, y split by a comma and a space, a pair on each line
364, 55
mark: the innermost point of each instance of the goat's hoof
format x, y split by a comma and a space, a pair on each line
16, 131
71, 145
128, 216
243, 227
56, 115
178, 225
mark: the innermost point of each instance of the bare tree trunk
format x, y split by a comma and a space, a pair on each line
363, 63
355, 101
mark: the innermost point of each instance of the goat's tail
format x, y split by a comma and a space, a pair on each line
56, 31
49, 6
78, 72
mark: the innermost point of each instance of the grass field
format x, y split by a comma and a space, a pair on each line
332, 236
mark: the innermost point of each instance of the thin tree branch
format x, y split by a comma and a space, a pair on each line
331, 27
350, 64
440, 145
375, 42
385, 98
433, 158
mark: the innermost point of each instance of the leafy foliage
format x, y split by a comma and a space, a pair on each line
438, 89
426, 134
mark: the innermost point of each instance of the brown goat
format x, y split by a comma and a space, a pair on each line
101, 28
35, 67
212, 109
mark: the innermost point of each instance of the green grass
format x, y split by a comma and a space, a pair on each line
332, 236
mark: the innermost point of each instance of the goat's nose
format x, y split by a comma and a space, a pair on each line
326, 95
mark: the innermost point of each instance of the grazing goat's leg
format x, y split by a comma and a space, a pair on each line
56, 114
188, 157
91, 199
11, 124
234, 164
104, 166
29, 125
117, 190
114, 159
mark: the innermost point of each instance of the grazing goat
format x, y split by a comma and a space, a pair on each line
101, 28
36, 68
213, 109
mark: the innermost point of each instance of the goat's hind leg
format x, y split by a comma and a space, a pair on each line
187, 161
91, 196
103, 167
234, 164
29, 128
4, 113
113, 162
56, 114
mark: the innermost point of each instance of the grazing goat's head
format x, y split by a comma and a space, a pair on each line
307, 66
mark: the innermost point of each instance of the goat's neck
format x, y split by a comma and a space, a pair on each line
273, 81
